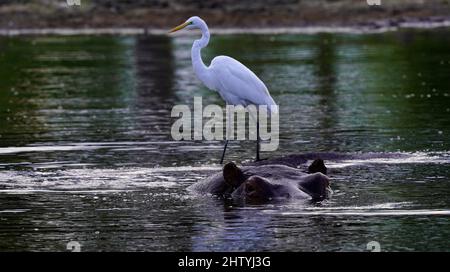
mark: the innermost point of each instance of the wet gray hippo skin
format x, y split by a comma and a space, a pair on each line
264, 183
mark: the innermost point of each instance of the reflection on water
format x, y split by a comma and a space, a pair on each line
86, 152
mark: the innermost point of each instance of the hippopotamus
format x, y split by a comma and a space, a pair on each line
267, 182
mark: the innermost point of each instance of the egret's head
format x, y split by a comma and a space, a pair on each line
191, 23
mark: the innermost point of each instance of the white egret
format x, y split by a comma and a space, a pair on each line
235, 83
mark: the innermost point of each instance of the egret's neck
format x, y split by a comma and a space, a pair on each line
201, 70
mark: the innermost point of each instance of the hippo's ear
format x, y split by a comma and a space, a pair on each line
232, 175
316, 185
317, 166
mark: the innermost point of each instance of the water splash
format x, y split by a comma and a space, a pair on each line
402, 158
424, 212
97, 180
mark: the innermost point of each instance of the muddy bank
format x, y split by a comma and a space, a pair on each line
162, 14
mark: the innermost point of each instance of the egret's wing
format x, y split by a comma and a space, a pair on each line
237, 82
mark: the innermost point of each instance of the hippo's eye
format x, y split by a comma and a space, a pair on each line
249, 188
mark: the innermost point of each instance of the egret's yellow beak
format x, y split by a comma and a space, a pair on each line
179, 27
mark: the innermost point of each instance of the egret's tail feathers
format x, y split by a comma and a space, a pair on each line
273, 109
272, 106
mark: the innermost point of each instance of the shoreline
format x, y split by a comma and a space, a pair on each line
97, 17
377, 27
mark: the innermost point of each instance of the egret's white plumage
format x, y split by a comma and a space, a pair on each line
235, 83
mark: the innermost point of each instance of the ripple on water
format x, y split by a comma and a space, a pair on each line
402, 158
88, 180
424, 212
382, 210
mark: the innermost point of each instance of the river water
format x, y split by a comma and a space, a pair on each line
86, 153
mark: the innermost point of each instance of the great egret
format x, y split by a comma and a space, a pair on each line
235, 83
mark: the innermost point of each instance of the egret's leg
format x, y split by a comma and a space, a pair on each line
227, 135
258, 145
257, 141
223, 153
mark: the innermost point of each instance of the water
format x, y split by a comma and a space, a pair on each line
86, 153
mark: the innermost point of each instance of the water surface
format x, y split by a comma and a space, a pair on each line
86, 153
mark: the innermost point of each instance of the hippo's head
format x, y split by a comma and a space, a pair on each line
260, 186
